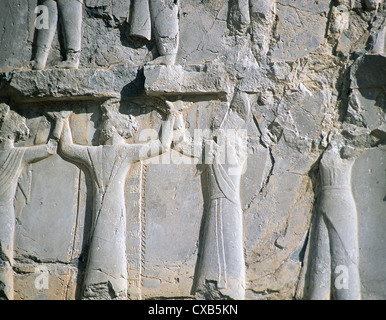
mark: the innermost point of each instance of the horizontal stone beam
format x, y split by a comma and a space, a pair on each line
64, 84
119, 81
175, 81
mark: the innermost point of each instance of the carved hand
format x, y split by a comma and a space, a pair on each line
179, 124
167, 131
178, 131
176, 107
58, 117
52, 146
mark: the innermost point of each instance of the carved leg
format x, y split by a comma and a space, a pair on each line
164, 15
344, 249
320, 270
232, 226
338, 206
262, 20
211, 268
106, 272
71, 22
140, 21
239, 17
45, 37
222, 268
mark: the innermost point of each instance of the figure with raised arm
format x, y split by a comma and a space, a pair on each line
108, 165
221, 269
13, 159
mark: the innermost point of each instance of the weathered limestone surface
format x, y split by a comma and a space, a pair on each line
192, 149
60, 84
173, 80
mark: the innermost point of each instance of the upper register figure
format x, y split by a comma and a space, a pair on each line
70, 12
162, 19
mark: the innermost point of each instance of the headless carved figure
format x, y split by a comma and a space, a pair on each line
335, 260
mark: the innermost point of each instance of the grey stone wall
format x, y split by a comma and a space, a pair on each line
304, 79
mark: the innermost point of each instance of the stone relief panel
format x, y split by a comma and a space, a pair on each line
192, 149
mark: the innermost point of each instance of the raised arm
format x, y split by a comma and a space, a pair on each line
36, 153
156, 147
185, 144
167, 133
69, 149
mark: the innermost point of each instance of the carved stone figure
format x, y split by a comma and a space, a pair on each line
162, 19
70, 12
221, 270
13, 159
335, 271
108, 164
255, 16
